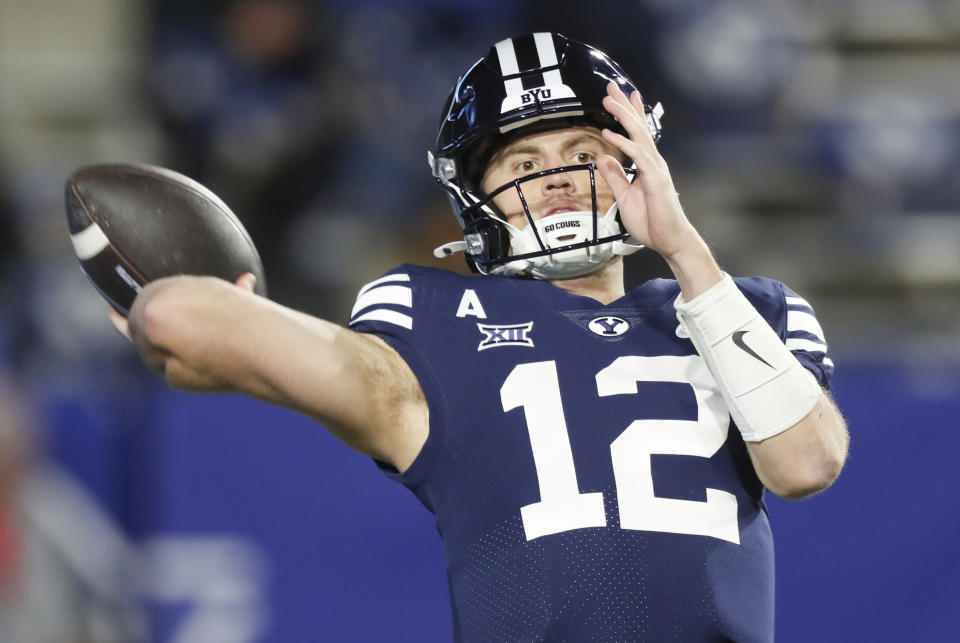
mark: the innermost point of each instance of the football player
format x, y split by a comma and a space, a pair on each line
596, 459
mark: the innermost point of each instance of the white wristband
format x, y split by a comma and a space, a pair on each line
766, 389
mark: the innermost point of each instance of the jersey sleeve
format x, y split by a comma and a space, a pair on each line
805, 337
793, 319
385, 307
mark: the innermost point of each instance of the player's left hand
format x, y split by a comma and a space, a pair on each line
649, 207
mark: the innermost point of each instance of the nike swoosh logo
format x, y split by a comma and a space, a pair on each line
738, 340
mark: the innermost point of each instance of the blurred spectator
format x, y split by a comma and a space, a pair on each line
243, 94
244, 101
312, 122
65, 573
9, 238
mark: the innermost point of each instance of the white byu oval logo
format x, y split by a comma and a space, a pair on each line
608, 326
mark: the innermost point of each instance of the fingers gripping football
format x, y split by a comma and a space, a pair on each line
119, 322
247, 281
137, 329
649, 207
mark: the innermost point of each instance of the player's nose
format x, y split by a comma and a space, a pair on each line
557, 181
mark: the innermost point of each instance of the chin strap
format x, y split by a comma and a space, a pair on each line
448, 249
523, 240
507, 270
627, 246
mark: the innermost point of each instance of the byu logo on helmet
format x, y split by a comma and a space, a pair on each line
609, 326
536, 94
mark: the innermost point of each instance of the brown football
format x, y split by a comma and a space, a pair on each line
131, 224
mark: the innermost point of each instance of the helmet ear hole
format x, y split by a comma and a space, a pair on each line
488, 241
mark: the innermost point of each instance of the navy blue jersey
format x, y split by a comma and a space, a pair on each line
585, 475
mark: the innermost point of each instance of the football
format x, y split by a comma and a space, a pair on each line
131, 224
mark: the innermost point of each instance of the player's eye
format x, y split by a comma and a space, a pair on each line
584, 157
527, 166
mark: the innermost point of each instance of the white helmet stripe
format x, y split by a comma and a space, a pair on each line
508, 66
547, 52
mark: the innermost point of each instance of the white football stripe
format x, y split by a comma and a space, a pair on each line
802, 320
400, 276
388, 316
89, 242
798, 344
397, 295
798, 301
828, 362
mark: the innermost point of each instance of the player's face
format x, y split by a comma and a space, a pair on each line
556, 193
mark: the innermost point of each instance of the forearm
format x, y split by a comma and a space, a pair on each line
806, 458
693, 265
793, 431
204, 334
181, 376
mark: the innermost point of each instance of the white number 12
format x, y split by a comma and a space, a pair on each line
535, 386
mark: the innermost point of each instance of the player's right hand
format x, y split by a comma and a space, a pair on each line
119, 322
247, 281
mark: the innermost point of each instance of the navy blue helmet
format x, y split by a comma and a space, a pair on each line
524, 85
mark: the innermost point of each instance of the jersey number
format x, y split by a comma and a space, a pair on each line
536, 387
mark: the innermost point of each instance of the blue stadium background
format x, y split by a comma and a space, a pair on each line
812, 142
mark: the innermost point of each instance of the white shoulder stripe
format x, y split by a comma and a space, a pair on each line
89, 242
798, 344
399, 276
397, 295
801, 320
387, 316
798, 301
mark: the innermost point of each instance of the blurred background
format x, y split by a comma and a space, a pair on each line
812, 141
